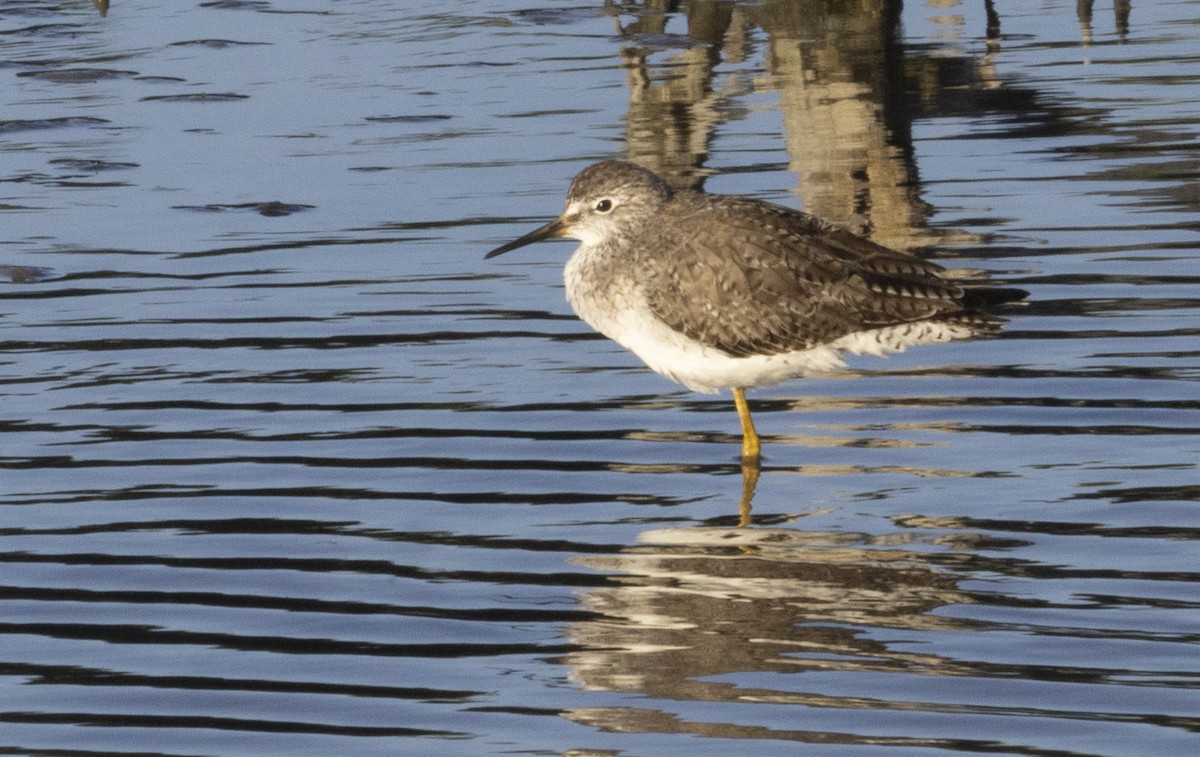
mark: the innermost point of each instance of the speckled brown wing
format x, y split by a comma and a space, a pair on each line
752, 278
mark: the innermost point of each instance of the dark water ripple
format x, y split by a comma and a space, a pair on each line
287, 469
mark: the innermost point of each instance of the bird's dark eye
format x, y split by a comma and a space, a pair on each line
604, 205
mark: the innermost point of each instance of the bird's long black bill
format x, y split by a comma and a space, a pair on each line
553, 229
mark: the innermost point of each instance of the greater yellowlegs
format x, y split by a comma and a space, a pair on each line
714, 291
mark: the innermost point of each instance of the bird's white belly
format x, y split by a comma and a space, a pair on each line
705, 369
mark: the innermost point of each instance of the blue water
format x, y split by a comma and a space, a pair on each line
286, 468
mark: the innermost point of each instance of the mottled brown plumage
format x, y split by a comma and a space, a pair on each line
798, 282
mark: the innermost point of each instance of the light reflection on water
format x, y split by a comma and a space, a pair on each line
287, 468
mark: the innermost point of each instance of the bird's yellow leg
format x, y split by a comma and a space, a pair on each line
750, 443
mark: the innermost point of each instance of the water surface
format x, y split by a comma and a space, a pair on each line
287, 469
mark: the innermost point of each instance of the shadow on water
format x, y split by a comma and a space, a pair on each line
285, 470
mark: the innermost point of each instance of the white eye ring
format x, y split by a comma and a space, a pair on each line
604, 206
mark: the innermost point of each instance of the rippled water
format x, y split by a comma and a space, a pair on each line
287, 469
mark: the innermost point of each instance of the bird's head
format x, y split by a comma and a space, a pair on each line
606, 200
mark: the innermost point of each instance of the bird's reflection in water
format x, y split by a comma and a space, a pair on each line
750, 474
690, 611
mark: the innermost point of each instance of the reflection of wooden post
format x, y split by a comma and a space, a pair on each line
670, 122
102, 6
1083, 10
840, 74
1121, 10
672, 118
834, 75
